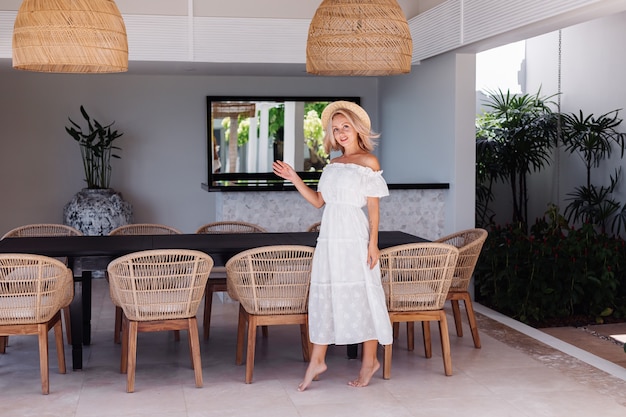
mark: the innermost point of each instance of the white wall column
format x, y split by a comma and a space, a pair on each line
253, 146
263, 136
293, 148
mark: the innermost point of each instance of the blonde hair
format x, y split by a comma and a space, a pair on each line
365, 136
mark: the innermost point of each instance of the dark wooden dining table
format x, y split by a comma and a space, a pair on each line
100, 250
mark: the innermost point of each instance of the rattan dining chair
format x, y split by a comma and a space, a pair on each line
315, 227
217, 280
470, 243
416, 278
144, 229
271, 284
159, 290
33, 291
137, 229
43, 230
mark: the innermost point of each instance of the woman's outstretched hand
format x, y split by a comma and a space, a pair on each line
284, 170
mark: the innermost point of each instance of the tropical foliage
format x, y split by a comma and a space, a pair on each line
564, 265
96, 149
553, 272
514, 138
593, 139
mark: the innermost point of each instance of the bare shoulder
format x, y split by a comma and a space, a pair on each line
364, 159
369, 160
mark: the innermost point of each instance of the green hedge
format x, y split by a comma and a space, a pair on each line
552, 273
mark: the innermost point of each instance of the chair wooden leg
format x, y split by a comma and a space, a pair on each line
304, 338
252, 326
471, 318
118, 324
67, 324
194, 343
58, 337
132, 356
445, 343
410, 336
456, 312
42, 330
124, 358
265, 331
387, 362
428, 344
4, 341
396, 330
241, 329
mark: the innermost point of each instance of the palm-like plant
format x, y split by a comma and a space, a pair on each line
96, 149
593, 140
514, 138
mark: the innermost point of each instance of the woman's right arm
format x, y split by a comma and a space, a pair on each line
285, 171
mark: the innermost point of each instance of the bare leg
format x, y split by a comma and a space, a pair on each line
369, 366
317, 365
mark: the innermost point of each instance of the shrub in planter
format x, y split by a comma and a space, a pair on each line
554, 272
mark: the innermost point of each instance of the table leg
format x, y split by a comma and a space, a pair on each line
76, 314
86, 280
353, 351
80, 312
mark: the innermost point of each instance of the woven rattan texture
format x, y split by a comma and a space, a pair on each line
144, 229
352, 37
230, 227
470, 243
33, 288
271, 280
83, 36
42, 229
417, 276
159, 284
315, 227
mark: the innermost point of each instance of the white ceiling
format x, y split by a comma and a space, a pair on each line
164, 44
280, 9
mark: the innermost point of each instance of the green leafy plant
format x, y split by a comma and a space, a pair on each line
513, 138
96, 149
554, 272
592, 139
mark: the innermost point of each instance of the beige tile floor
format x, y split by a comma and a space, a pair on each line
517, 373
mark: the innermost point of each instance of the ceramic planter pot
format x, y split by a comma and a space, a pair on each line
96, 212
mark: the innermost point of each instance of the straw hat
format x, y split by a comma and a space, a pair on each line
330, 110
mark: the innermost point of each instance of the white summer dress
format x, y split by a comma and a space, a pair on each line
346, 298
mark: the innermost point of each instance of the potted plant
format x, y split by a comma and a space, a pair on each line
96, 149
96, 209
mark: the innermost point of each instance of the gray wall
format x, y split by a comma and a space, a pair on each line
592, 66
428, 130
164, 145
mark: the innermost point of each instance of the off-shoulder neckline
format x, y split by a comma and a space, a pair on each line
363, 167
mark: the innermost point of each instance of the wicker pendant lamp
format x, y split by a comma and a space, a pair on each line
71, 36
356, 37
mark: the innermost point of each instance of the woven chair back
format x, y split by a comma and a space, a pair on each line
230, 227
417, 276
33, 288
470, 244
159, 284
271, 280
144, 229
42, 230
315, 227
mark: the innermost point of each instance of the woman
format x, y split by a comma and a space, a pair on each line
346, 299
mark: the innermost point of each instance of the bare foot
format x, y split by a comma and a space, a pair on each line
365, 375
312, 373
